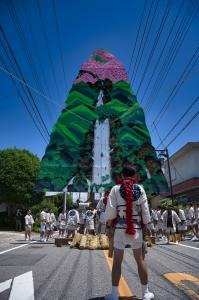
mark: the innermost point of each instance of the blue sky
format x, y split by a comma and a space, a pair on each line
50, 51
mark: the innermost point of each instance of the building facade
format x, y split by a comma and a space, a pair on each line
184, 167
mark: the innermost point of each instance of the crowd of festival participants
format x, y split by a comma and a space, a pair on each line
82, 218
85, 218
125, 209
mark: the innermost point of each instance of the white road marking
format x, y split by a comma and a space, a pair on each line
5, 285
5, 251
184, 246
22, 287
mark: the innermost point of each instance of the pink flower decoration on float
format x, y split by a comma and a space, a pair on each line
102, 65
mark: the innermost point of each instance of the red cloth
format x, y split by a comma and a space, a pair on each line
105, 199
127, 183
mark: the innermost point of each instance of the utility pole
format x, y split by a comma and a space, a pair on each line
164, 153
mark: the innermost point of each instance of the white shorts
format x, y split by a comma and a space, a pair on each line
182, 227
28, 227
102, 218
90, 225
159, 226
170, 230
62, 227
150, 226
49, 227
191, 223
121, 239
71, 227
81, 220
43, 227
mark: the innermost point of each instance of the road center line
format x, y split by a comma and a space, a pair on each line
124, 290
14, 248
185, 246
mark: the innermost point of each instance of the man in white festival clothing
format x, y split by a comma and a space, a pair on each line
127, 203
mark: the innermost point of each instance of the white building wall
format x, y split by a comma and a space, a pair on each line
184, 164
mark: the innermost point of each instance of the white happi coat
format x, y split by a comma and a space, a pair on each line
175, 219
89, 217
82, 212
183, 225
197, 215
101, 209
43, 216
50, 220
116, 207
29, 221
72, 219
182, 215
62, 221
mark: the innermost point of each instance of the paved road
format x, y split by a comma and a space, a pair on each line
64, 273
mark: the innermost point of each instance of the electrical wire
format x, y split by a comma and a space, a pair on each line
180, 119
26, 106
32, 102
162, 51
39, 93
172, 53
143, 41
183, 129
164, 147
35, 46
15, 20
177, 86
136, 40
47, 46
159, 32
59, 40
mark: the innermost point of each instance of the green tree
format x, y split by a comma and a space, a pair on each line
18, 171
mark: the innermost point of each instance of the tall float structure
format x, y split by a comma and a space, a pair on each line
101, 128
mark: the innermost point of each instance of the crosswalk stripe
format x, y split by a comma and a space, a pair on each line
5, 285
22, 287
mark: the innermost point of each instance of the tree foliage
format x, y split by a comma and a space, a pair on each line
18, 171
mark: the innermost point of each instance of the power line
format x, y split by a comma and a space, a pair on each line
177, 86
30, 87
39, 93
25, 47
171, 55
23, 101
138, 32
32, 102
59, 40
168, 61
162, 51
22, 39
35, 45
143, 41
162, 143
179, 120
183, 129
160, 29
47, 46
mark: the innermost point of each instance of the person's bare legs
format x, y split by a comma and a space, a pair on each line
26, 233
142, 267
116, 273
117, 265
143, 273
